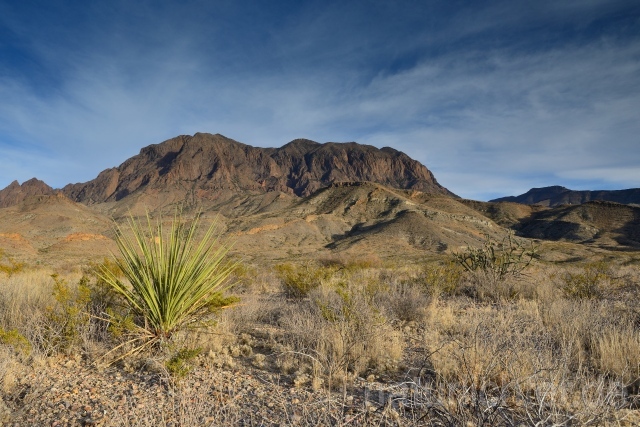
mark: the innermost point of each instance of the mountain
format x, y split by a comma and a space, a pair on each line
45, 227
350, 218
210, 168
304, 199
362, 218
557, 196
15, 193
604, 224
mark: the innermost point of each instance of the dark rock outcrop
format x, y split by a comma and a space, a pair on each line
204, 163
15, 193
557, 196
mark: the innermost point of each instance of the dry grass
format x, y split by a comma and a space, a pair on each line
22, 295
454, 349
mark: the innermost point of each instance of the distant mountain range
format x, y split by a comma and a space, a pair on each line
556, 196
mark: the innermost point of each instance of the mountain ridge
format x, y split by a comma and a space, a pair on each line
203, 165
557, 195
15, 192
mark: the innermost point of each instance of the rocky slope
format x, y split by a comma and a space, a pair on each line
600, 224
206, 167
15, 193
349, 217
52, 227
303, 199
557, 196
362, 218
604, 224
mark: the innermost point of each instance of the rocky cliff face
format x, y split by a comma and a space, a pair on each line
557, 196
16, 193
204, 163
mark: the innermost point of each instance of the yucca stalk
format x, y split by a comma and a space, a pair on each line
172, 276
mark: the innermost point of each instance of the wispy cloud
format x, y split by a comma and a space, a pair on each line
489, 98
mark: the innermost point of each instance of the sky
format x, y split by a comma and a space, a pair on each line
494, 97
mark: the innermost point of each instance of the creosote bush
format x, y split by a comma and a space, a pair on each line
442, 279
172, 280
594, 280
180, 364
67, 318
16, 340
299, 280
8, 265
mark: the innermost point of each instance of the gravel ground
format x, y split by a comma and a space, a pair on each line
70, 392
66, 392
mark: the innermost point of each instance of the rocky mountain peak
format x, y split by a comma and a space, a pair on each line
15, 193
206, 163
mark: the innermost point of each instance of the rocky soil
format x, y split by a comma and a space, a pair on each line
70, 392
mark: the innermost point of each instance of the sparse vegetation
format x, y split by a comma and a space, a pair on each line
65, 318
419, 344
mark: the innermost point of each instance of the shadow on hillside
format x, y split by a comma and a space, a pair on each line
629, 233
540, 228
356, 233
164, 164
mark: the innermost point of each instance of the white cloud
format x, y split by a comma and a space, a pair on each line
617, 176
489, 120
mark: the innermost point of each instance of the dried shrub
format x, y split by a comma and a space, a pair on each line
407, 302
498, 260
341, 332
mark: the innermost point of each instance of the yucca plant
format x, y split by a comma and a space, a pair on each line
172, 277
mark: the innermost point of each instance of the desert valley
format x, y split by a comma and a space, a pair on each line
360, 292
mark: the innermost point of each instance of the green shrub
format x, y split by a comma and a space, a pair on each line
68, 316
219, 301
172, 278
103, 295
299, 280
440, 280
16, 340
180, 363
593, 281
10, 266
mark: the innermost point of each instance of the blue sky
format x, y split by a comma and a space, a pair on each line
494, 97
